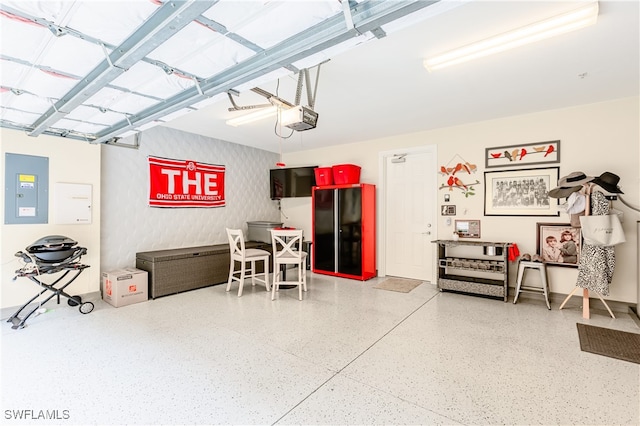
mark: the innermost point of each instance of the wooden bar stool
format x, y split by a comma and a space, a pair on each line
523, 266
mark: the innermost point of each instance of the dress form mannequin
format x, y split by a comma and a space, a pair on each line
596, 253
585, 302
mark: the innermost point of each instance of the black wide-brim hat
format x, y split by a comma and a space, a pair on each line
609, 182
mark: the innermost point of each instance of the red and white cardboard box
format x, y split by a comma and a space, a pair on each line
125, 286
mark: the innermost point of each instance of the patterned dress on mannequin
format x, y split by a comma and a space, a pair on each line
597, 263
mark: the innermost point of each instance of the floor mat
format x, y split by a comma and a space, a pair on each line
612, 343
402, 285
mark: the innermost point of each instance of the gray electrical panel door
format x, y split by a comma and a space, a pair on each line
26, 189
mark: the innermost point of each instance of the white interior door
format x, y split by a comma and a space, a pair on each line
410, 198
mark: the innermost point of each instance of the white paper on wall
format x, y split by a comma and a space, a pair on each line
72, 203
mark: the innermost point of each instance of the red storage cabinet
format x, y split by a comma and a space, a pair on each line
344, 231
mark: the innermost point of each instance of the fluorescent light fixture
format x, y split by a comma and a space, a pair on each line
261, 114
560, 24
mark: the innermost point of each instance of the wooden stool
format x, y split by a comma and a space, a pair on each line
523, 265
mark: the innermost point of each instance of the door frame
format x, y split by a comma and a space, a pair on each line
382, 202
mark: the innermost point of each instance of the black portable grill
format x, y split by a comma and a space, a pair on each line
50, 255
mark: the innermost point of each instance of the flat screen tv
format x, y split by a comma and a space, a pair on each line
292, 182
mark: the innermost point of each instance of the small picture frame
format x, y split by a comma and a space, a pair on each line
447, 198
448, 210
559, 244
468, 228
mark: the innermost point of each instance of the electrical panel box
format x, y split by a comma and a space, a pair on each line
72, 203
26, 189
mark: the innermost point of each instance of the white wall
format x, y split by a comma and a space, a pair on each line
594, 138
123, 223
129, 225
70, 161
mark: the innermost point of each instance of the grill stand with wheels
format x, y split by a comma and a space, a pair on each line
84, 308
51, 255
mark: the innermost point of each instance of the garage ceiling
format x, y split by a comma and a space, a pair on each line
103, 70
96, 70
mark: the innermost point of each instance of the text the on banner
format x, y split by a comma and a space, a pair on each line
184, 183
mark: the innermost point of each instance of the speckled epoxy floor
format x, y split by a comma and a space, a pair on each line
346, 354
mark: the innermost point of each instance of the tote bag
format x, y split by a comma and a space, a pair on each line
602, 230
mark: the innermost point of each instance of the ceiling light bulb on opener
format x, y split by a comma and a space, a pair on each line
560, 24
254, 116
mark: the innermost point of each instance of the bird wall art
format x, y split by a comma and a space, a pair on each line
457, 174
535, 153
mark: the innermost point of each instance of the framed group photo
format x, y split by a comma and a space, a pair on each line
559, 244
523, 192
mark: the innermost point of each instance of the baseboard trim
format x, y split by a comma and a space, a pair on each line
555, 298
576, 301
633, 313
5, 313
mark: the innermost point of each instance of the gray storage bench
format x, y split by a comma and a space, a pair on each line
176, 270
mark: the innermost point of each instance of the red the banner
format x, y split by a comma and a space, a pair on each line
183, 183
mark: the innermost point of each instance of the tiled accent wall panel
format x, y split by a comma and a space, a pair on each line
129, 225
